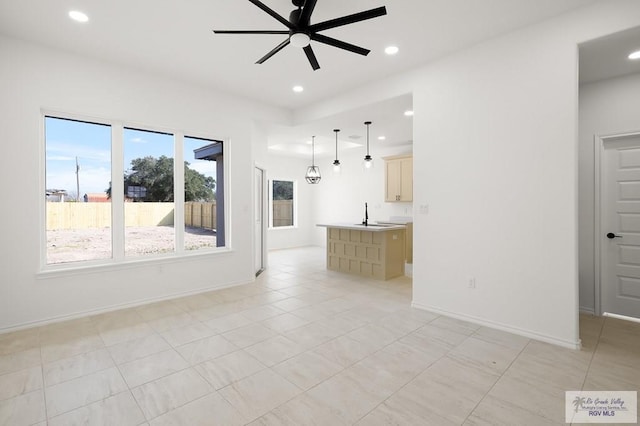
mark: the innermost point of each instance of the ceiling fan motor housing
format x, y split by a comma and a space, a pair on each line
301, 31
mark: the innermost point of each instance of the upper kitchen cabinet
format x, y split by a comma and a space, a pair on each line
398, 178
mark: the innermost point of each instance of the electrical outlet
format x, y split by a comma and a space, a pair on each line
472, 282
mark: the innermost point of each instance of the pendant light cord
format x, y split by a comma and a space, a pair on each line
367, 123
313, 150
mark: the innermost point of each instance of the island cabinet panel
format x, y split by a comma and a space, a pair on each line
375, 254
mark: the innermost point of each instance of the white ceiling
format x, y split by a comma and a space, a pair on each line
174, 38
607, 57
387, 119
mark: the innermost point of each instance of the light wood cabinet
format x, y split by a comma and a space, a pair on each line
376, 254
398, 178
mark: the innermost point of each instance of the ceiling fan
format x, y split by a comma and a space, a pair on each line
300, 31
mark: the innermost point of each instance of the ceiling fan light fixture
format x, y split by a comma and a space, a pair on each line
635, 55
391, 50
300, 31
78, 16
300, 40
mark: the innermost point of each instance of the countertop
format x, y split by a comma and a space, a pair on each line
373, 227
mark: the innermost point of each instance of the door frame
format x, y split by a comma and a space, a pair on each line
263, 212
599, 143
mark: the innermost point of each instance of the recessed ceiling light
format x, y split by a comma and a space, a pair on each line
298, 89
635, 55
391, 50
381, 138
78, 16
408, 113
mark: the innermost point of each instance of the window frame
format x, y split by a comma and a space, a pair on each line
118, 259
295, 204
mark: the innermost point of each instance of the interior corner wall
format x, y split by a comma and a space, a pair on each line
33, 77
343, 195
607, 107
495, 131
284, 167
292, 169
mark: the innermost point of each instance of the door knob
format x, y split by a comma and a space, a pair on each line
611, 236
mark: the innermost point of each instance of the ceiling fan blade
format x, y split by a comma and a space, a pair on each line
312, 58
307, 10
340, 44
272, 13
349, 19
249, 32
274, 51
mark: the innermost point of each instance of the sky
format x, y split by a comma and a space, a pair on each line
91, 144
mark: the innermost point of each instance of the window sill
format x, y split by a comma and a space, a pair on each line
79, 268
278, 228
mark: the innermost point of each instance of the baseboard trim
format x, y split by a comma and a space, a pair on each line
585, 310
112, 308
504, 327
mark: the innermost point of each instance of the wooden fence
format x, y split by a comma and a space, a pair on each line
200, 215
282, 213
98, 215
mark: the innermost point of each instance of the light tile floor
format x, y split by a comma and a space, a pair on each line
301, 346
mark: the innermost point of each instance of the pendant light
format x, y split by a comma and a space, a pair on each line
336, 162
313, 171
368, 161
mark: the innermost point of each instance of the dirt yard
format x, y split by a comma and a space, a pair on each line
72, 245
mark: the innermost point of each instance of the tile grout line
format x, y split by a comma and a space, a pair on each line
375, 352
496, 382
593, 354
44, 390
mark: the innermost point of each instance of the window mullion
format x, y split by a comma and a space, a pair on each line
117, 191
178, 191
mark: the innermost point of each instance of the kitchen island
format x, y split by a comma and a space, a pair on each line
372, 251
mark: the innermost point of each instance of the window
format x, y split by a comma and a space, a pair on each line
148, 185
87, 221
77, 183
281, 198
203, 212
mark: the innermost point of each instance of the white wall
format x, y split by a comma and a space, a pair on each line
286, 168
32, 78
606, 107
495, 137
341, 197
499, 125
292, 169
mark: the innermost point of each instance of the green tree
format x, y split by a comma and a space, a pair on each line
282, 190
155, 175
198, 187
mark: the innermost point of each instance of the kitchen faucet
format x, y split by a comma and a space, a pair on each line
365, 222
